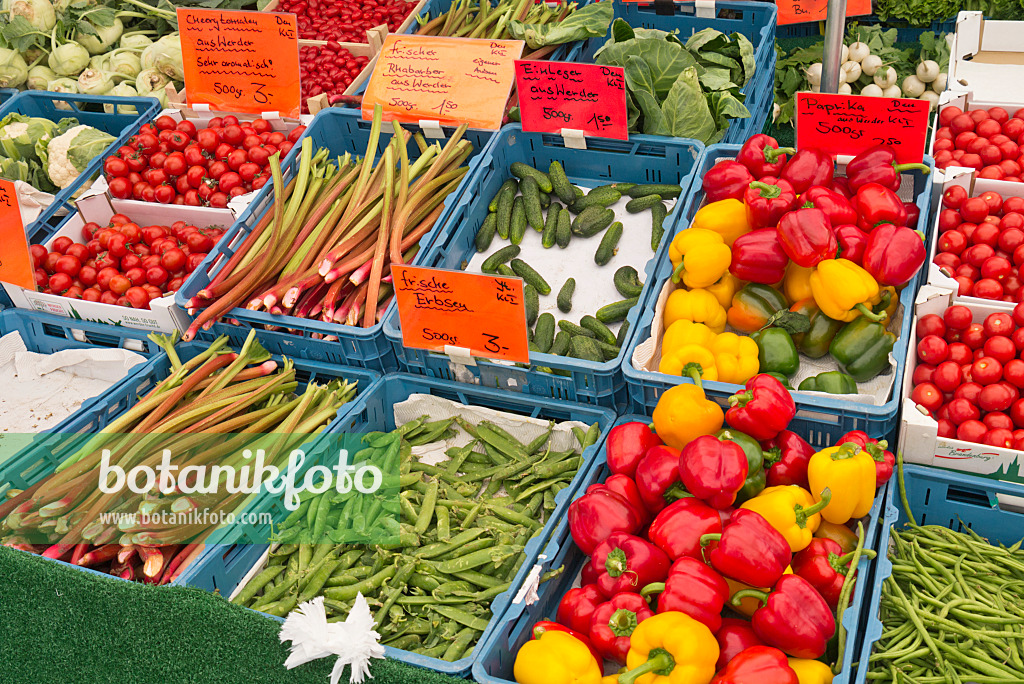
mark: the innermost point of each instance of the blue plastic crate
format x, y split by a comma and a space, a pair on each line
498, 653
645, 387
341, 131
904, 34
221, 569
644, 159
938, 497
6, 94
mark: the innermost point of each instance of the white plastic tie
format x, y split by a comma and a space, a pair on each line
574, 138
79, 335
432, 129
271, 115
705, 9
200, 106
528, 593
461, 355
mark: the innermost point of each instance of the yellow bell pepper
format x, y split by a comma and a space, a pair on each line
556, 658
670, 648
726, 217
684, 413
700, 257
848, 472
685, 332
697, 305
735, 358
893, 301
811, 671
843, 290
748, 604
725, 289
792, 511
797, 283
610, 679
675, 362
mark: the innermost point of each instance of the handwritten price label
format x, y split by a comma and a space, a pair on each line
241, 61
15, 262
449, 80
799, 11
587, 97
484, 314
850, 124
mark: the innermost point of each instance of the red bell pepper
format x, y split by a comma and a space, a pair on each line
734, 637
626, 444
658, 479
749, 550
913, 214
793, 618
894, 254
623, 562
677, 529
577, 607
842, 186
758, 665
595, 515
713, 470
807, 168
806, 237
852, 242
624, 486
692, 588
727, 179
758, 257
588, 575
767, 200
824, 565
548, 626
763, 409
877, 204
613, 623
878, 165
884, 459
762, 155
835, 205
787, 455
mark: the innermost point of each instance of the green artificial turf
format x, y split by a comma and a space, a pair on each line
58, 624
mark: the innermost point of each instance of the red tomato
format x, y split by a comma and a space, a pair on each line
216, 122
228, 181
927, 395
998, 324
258, 155
119, 284
985, 234
117, 245
219, 199
192, 198
164, 194
119, 188
987, 288
137, 298
199, 242
130, 261
223, 151
175, 165
50, 262
115, 166
106, 260
208, 139
947, 376
173, 260
233, 134
217, 169
1013, 372
91, 294
932, 350
38, 254
986, 371
147, 143
188, 128
157, 275
973, 336
79, 251
923, 373
997, 397
68, 265
297, 132
196, 174
236, 159
165, 123
194, 156
88, 275
108, 297
261, 126
1001, 349
251, 141
61, 244
59, 283
230, 120
974, 209
178, 140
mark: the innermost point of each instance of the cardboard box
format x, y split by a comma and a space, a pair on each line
164, 315
919, 441
987, 58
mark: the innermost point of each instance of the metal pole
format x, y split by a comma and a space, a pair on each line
835, 22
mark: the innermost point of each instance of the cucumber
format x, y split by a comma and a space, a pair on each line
517, 229
620, 187
512, 184
530, 276
617, 311
609, 244
627, 282
532, 303
658, 214
560, 183
504, 270
532, 346
665, 191
608, 351
565, 295
592, 221
544, 333
485, 235
575, 330
586, 349
563, 233
545, 200
598, 197
502, 256
531, 203
599, 329
521, 171
561, 344
547, 240
620, 339
635, 206
506, 199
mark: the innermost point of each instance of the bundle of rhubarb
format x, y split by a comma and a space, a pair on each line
207, 412
323, 250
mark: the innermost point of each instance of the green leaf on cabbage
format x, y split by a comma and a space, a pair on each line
591, 21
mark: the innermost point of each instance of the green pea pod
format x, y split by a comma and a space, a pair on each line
755, 482
831, 382
776, 352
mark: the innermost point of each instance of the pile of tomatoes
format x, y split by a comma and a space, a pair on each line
171, 162
970, 375
345, 20
988, 140
327, 69
122, 263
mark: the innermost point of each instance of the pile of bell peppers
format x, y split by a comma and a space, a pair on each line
721, 549
793, 260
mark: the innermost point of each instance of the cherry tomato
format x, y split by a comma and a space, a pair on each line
947, 376
997, 420
219, 199
59, 283
223, 151
116, 167
217, 169
178, 140
258, 155
297, 132
119, 284
1001, 438
188, 128
931, 324
106, 260
233, 135
137, 298
164, 194
61, 244
985, 234
974, 209
969, 390
165, 123
119, 188
147, 143
932, 349
229, 180
91, 294
194, 156
952, 242
68, 265
79, 251
38, 254
987, 288
175, 165
174, 260
236, 159
199, 242
971, 431
117, 245
50, 262
130, 261
927, 395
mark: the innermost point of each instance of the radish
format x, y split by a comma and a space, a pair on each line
892, 91
939, 84
932, 97
871, 64
859, 51
776, 110
913, 86
844, 56
813, 74
927, 71
885, 79
845, 89
871, 90
852, 71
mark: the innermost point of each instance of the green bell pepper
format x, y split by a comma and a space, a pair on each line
814, 343
832, 382
753, 305
776, 352
781, 378
862, 348
755, 481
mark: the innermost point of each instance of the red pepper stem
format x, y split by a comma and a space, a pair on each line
772, 154
616, 563
772, 456
622, 622
802, 513
659, 661
768, 191
676, 492
923, 168
741, 398
868, 313
738, 597
706, 539
654, 588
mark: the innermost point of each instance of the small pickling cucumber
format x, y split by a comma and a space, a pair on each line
531, 203
544, 332
503, 208
658, 214
599, 329
592, 221
616, 311
627, 282
586, 349
609, 244
550, 234
530, 276
517, 230
635, 206
502, 256
485, 235
521, 171
563, 232
560, 183
565, 295
665, 191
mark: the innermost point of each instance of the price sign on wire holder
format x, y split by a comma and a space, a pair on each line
562, 95
444, 310
850, 124
802, 11
15, 261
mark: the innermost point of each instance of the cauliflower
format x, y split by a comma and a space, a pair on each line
67, 155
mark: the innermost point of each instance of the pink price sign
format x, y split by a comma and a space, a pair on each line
563, 95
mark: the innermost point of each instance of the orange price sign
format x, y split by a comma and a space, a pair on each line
15, 261
800, 11
240, 61
442, 309
448, 80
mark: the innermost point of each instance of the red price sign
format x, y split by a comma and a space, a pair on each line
799, 11
585, 97
850, 124
440, 309
15, 262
